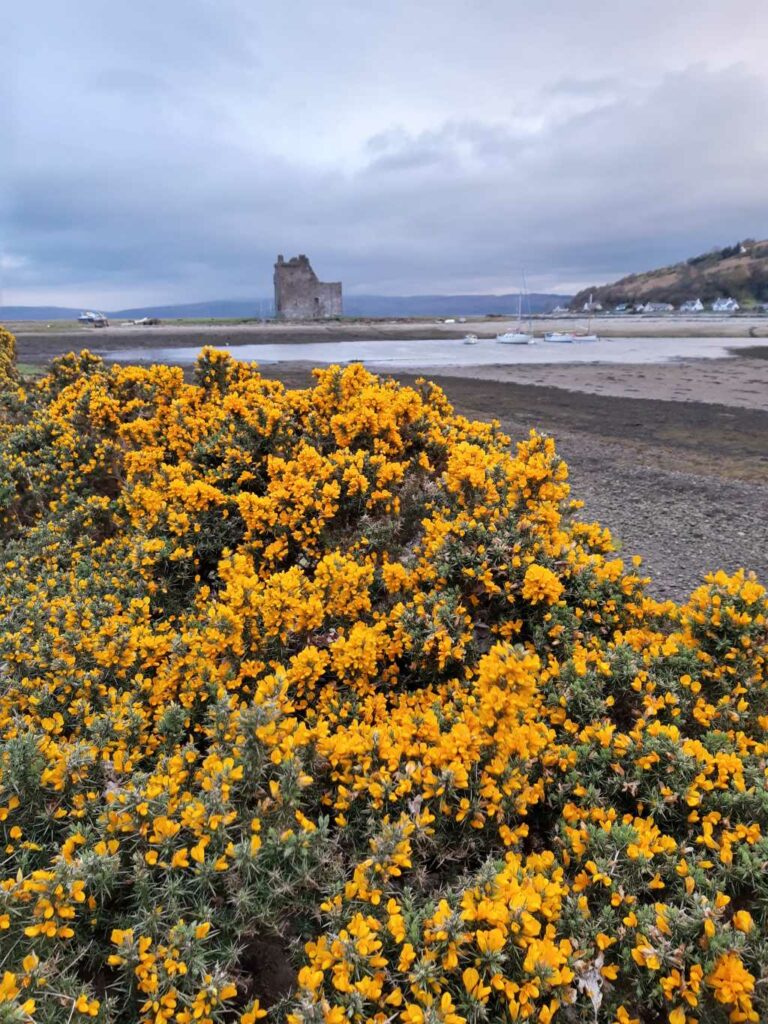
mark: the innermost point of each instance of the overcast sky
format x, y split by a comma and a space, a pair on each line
167, 150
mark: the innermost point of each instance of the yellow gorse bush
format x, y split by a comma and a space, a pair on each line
340, 674
8, 374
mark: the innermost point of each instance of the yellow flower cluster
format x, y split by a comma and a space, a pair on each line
541, 584
8, 374
323, 706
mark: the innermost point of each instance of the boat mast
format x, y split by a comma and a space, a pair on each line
525, 289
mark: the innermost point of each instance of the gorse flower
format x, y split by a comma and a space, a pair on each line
541, 584
323, 706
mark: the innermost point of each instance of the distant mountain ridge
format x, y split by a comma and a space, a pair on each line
738, 271
8, 313
450, 305
354, 305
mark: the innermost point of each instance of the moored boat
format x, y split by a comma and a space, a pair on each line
515, 338
471, 339
568, 338
519, 337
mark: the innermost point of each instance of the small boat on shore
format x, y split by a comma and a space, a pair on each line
568, 338
515, 338
471, 339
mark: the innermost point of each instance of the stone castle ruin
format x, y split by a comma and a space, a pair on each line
300, 296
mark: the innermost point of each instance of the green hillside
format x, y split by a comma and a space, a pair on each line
739, 270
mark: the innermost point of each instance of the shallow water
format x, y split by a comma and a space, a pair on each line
447, 352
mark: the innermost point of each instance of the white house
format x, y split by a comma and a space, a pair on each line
656, 307
725, 306
692, 306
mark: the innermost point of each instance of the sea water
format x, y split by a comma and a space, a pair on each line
417, 354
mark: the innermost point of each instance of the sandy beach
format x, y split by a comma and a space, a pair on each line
739, 381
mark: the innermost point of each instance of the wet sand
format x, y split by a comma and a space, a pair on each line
740, 381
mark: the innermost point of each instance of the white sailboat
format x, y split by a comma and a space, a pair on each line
569, 337
514, 338
518, 337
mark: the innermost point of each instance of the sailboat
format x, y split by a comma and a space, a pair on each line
569, 337
514, 338
518, 337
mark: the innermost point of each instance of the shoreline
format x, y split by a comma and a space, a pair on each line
738, 381
38, 341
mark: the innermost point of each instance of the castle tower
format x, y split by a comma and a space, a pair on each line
300, 296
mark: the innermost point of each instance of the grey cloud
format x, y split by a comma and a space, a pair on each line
179, 164
573, 86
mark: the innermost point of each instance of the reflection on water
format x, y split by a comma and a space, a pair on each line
447, 352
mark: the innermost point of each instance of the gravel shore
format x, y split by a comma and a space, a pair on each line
741, 380
683, 524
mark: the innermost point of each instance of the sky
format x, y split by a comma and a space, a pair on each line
167, 150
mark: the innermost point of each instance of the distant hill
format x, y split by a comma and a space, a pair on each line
739, 271
223, 308
216, 308
354, 305
8, 313
449, 305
